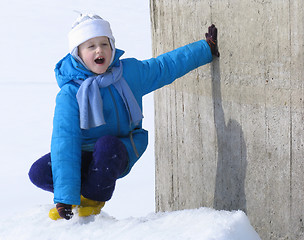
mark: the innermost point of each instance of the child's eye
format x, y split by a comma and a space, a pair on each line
90, 46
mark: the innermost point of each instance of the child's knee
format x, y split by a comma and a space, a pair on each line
109, 143
40, 173
110, 154
110, 147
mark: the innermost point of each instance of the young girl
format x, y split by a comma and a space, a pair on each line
97, 128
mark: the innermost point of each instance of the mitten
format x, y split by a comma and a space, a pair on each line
211, 38
64, 210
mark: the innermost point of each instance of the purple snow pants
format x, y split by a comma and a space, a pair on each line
99, 169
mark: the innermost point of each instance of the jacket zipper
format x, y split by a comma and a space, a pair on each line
116, 110
118, 124
133, 144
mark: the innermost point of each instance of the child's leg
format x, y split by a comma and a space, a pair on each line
41, 173
110, 159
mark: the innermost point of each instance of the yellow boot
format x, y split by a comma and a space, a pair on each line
53, 214
89, 207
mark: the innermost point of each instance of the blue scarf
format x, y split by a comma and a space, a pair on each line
90, 101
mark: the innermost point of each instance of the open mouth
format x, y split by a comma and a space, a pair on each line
99, 60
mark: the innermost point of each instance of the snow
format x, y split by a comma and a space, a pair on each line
202, 224
33, 39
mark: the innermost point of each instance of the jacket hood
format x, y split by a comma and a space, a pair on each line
69, 69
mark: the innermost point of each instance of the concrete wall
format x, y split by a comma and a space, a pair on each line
229, 135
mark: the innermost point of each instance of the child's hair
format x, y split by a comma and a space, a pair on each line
89, 26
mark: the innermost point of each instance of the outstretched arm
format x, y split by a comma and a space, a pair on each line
164, 69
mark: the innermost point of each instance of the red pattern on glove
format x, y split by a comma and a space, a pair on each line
64, 210
211, 38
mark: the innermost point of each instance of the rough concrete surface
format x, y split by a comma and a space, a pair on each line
229, 135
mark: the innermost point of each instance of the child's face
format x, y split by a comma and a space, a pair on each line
96, 53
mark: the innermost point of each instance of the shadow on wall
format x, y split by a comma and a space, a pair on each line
232, 154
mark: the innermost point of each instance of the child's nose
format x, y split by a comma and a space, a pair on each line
98, 49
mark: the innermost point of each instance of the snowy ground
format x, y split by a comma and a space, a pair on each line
33, 39
200, 224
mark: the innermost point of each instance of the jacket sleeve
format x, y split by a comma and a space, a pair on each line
66, 149
164, 69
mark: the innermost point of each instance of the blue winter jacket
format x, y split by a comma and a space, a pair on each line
143, 77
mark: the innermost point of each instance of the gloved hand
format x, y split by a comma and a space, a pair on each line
211, 38
64, 210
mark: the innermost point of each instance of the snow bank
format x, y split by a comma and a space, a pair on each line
198, 224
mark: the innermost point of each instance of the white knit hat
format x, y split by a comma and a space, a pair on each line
89, 26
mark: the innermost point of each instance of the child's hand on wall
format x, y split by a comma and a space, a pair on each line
211, 38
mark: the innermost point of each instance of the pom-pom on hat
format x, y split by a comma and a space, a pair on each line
89, 26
